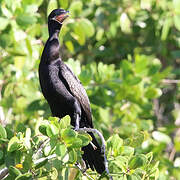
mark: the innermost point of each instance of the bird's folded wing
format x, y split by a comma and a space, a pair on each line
77, 91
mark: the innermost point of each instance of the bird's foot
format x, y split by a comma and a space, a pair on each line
76, 128
77, 123
94, 147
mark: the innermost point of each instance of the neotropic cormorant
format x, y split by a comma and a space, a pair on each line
64, 92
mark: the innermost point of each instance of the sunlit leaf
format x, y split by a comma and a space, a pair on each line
14, 144
70, 46
153, 93
4, 22
14, 171
19, 62
161, 137
177, 22
137, 161
3, 133
63, 3
75, 8
51, 6
25, 176
125, 23
166, 27
52, 130
65, 122
87, 27
61, 149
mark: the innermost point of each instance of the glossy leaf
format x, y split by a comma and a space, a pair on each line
3, 133
87, 27
161, 137
14, 144
137, 161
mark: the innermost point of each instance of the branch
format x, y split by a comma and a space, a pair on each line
39, 151
83, 172
103, 148
3, 172
171, 81
44, 158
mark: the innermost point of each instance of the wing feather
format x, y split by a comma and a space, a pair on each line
77, 90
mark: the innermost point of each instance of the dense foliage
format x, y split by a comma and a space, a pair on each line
126, 54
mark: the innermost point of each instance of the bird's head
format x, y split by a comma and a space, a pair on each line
58, 15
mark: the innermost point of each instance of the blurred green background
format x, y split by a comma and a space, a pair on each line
126, 54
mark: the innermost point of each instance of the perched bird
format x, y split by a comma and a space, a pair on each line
64, 92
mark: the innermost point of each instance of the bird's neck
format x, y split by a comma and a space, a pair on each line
51, 49
54, 28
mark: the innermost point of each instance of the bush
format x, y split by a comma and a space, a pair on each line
126, 54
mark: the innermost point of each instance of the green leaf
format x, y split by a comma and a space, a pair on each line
25, 176
99, 34
85, 138
1, 154
14, 171
137, 161
176, 4
3, 133
26, 19
14, 144
134, 81
76, 8
6, 12
121, 161
74, 143
166, 27
125, 23
177, 22
61, 150
70, 46
52, 130
41, 162
4, 22
136, 139
63, 3
155, 66
161, 137
152, 93
115, 142
51, 6
72, 156
126, 150
87, 27
134, 177
67, 134
79, 34
65, 122
8, 89
42, 129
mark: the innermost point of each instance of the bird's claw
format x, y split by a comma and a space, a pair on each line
77, 123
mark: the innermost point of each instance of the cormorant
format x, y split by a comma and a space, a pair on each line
64, 92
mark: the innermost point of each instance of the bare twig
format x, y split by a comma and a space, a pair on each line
83, 172
39, 151
172, 154
171, 81
158, 110
44, 158
3, 172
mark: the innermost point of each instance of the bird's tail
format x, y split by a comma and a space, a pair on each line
93, 156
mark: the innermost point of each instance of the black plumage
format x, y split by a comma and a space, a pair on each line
64, 92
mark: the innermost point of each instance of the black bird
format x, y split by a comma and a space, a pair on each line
64, 92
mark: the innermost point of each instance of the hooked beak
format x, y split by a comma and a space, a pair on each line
60, 18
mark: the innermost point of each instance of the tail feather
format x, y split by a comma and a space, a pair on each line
93, 157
